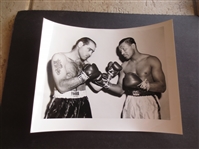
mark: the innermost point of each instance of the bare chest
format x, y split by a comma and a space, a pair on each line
76, 67
73, 68
142, 69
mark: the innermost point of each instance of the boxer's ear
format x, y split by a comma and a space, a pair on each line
80, 44
133, 45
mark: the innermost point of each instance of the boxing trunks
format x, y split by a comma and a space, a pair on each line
140, 104
72, 104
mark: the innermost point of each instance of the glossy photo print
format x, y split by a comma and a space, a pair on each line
93, 79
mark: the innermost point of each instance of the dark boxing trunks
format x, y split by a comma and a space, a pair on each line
69, 108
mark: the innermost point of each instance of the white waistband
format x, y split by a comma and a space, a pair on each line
70, 94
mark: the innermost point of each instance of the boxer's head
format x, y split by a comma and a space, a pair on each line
127, 47
86, 47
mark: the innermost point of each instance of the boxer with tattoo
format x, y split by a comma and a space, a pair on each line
71, 71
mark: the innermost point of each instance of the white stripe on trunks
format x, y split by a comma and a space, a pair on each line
70, 94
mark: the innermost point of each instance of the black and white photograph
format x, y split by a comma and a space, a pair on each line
107, 79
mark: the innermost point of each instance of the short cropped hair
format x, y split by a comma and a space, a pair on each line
128, 40
85, 41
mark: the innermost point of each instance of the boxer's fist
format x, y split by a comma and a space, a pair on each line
113, 69
131, 81
90, 71
102, 80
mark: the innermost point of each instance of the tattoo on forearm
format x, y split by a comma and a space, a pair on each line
58, 66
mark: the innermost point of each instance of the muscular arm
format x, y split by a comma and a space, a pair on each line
97, 88
64, 74
159, 84
117, 88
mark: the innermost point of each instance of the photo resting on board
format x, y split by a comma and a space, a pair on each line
98, 77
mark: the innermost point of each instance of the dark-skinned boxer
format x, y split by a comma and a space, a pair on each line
141, 79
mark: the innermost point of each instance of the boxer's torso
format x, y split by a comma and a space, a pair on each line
141, 67
73, 68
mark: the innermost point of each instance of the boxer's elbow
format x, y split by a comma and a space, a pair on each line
119, 93
163, 88
116, 89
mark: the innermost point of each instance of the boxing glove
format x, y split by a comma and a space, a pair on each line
102, 80
113, 69
89, 71
131, 81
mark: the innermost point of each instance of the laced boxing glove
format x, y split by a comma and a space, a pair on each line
102, 80
89, 71
113, 69
131, 81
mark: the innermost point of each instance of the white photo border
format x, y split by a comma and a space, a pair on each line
60, 38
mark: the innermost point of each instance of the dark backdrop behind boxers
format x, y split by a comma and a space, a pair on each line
17, 102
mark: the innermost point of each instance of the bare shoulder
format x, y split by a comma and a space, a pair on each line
153, 60
60, 56
124, 64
